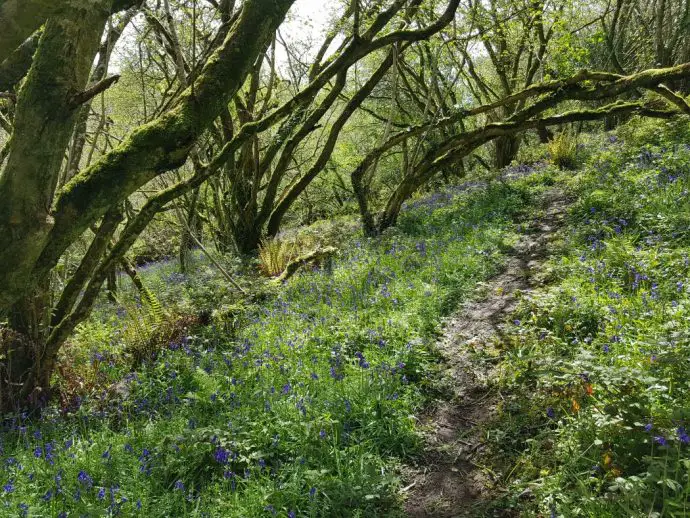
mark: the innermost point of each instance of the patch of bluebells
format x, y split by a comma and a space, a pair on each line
327, 345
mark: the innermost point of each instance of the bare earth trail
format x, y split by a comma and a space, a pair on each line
449, 481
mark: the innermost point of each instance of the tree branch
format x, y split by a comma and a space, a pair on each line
93, 90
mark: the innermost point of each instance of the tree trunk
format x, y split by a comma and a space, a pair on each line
111, 286
406, 188
44, 122
32, 246
361, 191
26, 370
247, 236
24, 379
545, 135
505, 151
186, 241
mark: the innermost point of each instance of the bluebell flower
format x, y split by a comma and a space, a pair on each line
179, 485
84, 479
101, 493
660, 440
221, 455
550, 413
683, 435
9, 487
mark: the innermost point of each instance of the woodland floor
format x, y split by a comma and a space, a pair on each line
449, 480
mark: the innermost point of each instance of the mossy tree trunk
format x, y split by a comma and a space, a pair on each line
150, 150
36, 228
45, 114
505, 151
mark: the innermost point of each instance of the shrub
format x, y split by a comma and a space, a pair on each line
563, 150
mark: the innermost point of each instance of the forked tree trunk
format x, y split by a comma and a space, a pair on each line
32, 236
45, 118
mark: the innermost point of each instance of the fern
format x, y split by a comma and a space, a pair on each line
563, 150
145, 325
274, 256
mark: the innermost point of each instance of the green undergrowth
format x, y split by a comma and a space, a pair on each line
300, 403
595, 419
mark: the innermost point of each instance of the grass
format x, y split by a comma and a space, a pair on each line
596, 375
298, 403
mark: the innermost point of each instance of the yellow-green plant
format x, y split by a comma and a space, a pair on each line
274, 256
563, 150
146, 325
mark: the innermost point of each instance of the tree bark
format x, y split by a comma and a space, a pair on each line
31, 243
44, 115
505, 151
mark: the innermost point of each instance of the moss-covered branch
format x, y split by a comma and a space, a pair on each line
19, 19
159, 146
17, 65
43, 124
468, 142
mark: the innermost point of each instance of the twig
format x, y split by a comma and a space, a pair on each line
222, 270
93, 90
406, 489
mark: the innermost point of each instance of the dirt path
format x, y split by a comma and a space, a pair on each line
448, 480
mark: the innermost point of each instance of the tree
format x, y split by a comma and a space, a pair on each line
38, 222
584, 87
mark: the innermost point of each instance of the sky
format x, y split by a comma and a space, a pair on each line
306, 18
317, 10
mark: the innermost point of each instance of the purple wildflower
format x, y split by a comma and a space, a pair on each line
221, 455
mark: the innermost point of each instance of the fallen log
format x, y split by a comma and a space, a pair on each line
293, 266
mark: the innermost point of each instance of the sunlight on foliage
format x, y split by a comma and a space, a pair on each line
274, 256
597, 420
563, 150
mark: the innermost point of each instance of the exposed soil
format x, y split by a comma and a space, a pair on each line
449, 479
